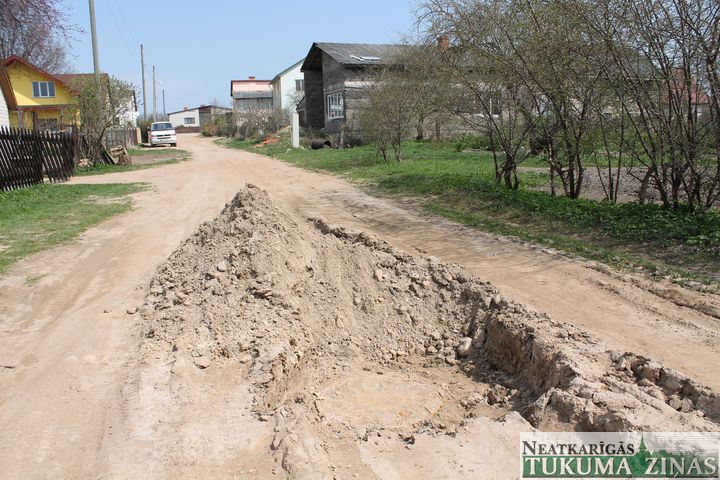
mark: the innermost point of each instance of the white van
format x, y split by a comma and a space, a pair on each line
162, 133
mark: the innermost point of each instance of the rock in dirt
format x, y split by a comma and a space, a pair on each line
463, 350
202, 362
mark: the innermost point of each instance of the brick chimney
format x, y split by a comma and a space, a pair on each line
185, 109
444, 42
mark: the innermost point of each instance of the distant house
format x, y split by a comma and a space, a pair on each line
334, 76
192, 119
288, 86
251, 95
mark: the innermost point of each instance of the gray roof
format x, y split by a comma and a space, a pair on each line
354, 54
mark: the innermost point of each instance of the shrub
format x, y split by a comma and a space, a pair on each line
472, 141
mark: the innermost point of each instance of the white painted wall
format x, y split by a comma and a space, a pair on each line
284, 92
4, 115
178, 118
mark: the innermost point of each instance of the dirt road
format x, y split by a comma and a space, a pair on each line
68, 347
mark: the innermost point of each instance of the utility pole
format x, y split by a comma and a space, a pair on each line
93, 34
164, 111
154, 96
142, 65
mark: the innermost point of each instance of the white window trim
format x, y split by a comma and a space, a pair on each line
47, 87
328, 111
191, 122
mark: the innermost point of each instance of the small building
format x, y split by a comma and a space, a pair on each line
335, 74
288, 87
251, 95
192, 119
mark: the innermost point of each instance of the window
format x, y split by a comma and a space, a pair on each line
299, 85
48, 124
43, 89
157, 126
189, 121
335, 107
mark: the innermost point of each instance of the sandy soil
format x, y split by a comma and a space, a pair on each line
78, 400
149, 156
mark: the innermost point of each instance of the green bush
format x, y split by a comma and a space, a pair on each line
468, 141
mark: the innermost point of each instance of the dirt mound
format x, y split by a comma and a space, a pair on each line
302, 308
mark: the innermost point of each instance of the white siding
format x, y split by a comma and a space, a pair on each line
288, 95
4, 115
178, 118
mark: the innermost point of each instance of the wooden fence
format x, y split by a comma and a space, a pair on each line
26, 156
121, 137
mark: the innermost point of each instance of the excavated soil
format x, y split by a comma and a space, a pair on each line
301, 349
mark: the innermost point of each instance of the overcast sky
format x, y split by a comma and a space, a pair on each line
199, 46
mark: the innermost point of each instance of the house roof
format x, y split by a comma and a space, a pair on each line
299, 62
6, 88
62, 78
14, 58
351, 54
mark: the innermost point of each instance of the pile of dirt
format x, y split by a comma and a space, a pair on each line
296, 304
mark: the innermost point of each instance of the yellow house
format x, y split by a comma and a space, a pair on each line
42, 100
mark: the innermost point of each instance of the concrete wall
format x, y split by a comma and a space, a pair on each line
178, 118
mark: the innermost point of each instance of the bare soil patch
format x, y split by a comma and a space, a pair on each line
343, 348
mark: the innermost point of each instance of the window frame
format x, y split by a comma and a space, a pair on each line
191, 122
299, 85
48, 86
329, 104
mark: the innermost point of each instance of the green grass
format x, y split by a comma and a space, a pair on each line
180, 155
460, 186
42, 216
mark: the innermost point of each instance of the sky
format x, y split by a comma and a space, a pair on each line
199, 46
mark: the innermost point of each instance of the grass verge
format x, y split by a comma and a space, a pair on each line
681, 245
42, 216
175, 156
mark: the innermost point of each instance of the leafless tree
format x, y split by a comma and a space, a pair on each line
36, 30
101, 104
481, 74
391, 111
665, 59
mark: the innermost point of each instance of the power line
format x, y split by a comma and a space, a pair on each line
122, 17
117, 25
